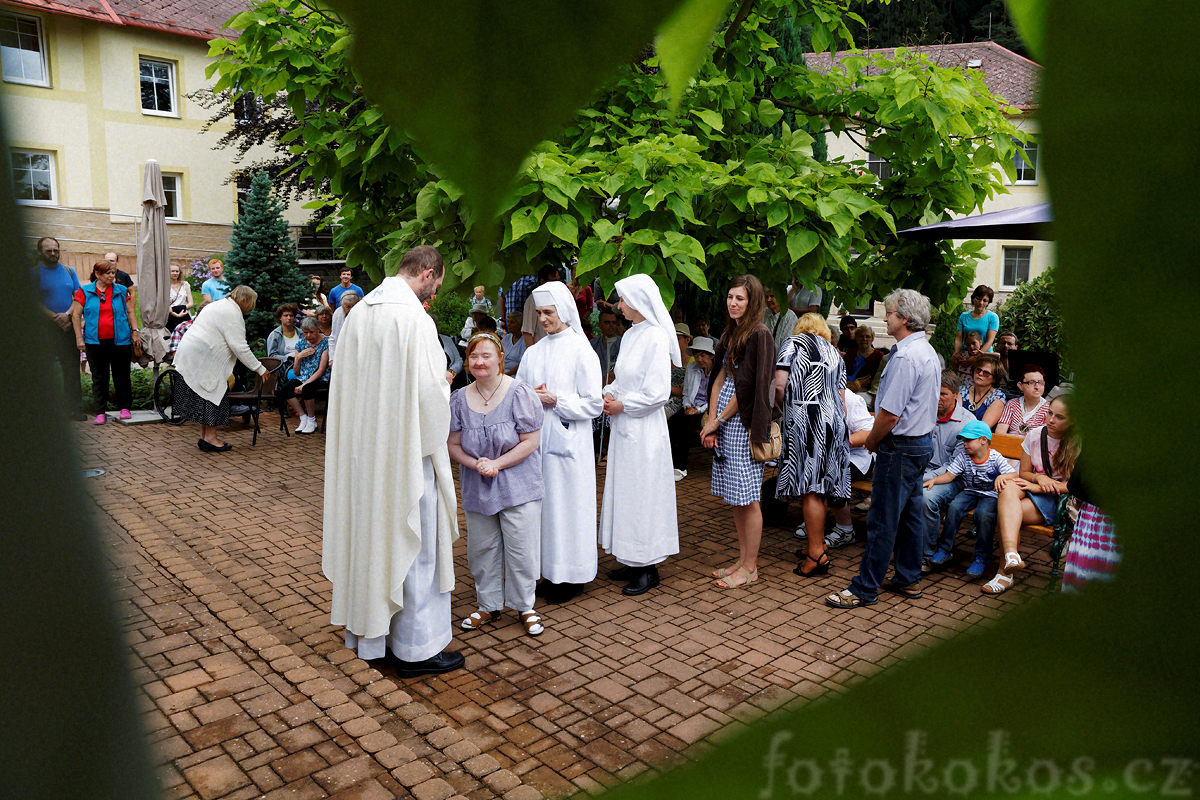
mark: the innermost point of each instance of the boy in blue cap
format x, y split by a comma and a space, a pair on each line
978, 466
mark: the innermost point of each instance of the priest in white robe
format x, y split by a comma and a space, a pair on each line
565, 372
638, 523
391, 515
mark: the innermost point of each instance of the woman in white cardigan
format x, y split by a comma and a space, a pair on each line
204, 362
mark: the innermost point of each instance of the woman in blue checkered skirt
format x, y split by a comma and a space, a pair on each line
741, 406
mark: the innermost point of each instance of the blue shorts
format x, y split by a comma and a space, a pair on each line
1046, 504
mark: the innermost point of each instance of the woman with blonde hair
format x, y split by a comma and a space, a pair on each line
1030, 495
741, 407
815, 463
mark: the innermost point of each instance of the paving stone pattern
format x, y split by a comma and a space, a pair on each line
248, 691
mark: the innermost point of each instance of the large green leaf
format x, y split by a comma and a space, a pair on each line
564, 227
476, 84
527, 220
800, 243
682, 40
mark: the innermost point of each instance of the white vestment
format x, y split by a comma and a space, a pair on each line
566, 363
386, 541
638, 523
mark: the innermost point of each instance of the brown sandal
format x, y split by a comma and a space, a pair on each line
533, 623
478, 619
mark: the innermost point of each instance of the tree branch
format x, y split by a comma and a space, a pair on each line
731, 32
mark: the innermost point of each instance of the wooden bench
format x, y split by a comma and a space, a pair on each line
1009, 446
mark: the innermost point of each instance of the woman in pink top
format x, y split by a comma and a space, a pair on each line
1030, 496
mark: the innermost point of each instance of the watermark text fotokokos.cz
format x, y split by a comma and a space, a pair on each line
789, 775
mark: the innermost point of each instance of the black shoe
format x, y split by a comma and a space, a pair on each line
821, 566
212, 448
622, 573
644, 581
558, 593
542, 588
445, 661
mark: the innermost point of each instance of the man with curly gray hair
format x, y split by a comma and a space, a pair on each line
901, 437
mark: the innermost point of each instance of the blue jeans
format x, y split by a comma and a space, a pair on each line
985, 523
936, 499
896, 520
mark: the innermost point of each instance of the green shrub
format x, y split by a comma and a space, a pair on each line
942, 339
451, 310
142, 383
1032, 313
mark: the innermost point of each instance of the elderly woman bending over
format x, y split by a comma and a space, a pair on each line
205, 360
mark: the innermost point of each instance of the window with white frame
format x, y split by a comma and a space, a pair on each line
1016, 265
22, 50
33, 177
1025, 160
158, 87
173, 191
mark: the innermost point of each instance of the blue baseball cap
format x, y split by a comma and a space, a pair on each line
974, 429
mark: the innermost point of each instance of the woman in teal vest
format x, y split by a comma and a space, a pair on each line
102, 312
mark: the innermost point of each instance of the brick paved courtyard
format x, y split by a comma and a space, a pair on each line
249, 692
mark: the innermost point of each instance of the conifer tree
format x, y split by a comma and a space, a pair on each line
262, 256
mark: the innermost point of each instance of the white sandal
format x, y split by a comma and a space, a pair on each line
997, 585
1012, 563
533, 623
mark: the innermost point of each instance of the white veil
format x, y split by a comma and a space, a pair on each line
556, 293
641, 293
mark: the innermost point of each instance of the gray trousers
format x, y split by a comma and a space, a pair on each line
504, 552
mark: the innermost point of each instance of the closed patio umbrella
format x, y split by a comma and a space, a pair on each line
153, 267
1029, 222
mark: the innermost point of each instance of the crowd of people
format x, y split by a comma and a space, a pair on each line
523, 427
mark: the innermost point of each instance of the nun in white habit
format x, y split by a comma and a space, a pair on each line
638, 524
565, 372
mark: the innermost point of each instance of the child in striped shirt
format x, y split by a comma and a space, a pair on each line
978, 465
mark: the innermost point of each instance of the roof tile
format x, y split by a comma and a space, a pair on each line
203, 19
1007, 75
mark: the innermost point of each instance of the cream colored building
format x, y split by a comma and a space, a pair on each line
1014, 78
88, 95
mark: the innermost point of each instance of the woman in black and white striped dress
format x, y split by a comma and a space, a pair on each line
815, 463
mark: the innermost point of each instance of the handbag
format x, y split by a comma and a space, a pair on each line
769, 450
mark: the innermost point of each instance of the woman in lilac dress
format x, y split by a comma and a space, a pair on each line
495, 426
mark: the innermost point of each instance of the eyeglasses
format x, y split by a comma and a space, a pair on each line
984, 372
1034, 383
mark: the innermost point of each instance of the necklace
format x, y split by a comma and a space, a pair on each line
488, 400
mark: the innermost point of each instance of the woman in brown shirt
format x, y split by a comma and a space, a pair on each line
741, 393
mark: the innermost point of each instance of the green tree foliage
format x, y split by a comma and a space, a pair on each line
451, 311
923, 22
692, 195
262, 256
1032, 313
